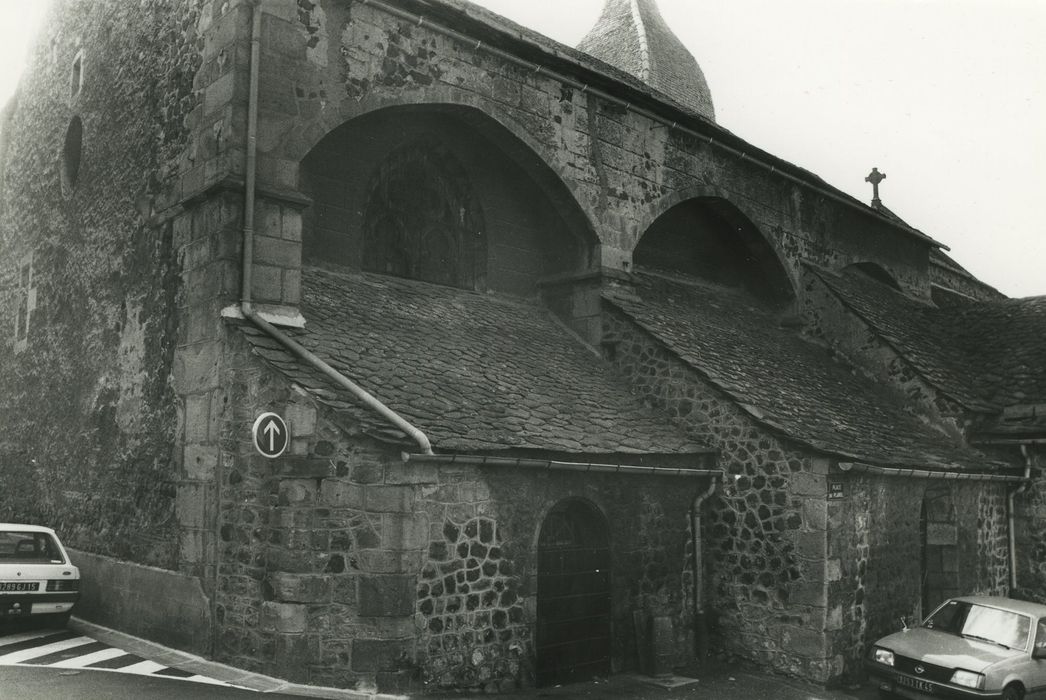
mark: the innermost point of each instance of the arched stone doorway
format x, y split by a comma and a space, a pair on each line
939, 540
573, 638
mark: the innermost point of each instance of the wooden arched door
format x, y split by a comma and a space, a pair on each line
574, 601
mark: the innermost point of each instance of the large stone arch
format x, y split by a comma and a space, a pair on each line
765, 255
530, 204
506, 132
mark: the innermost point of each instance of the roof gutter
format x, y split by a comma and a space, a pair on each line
246, 305
859, 468
556, 465
628, 106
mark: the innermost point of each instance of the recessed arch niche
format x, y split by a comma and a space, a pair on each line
444, 194
710, 238
875, 272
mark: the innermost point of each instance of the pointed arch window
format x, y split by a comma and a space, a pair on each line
421, 220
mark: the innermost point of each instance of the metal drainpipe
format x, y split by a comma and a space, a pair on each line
700, 618
1009, 514
246, 306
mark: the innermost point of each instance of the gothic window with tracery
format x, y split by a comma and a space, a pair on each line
421, 220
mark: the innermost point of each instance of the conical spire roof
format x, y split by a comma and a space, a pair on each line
631, 35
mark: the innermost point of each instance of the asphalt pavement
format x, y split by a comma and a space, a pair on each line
722, 681
51, 683
56, 676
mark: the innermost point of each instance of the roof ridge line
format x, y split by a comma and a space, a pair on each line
644, 44
893, 346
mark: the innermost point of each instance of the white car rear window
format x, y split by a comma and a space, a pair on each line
19, 547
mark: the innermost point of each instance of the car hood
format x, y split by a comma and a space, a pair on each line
948, 650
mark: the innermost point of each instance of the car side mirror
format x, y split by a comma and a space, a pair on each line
1039, 652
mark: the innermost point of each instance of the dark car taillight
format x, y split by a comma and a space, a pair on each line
63, 584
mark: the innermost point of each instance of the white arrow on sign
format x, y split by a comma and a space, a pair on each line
270, 434
272, 430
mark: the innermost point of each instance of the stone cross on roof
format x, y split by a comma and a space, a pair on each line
875, 177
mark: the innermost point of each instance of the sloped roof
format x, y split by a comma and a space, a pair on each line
632, 35
473, 371
987, 355
783, 381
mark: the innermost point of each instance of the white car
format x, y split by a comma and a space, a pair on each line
972, 647
37, 579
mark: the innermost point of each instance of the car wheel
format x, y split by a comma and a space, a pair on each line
1012, 692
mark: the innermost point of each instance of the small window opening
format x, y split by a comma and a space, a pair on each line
77, 80
72, 154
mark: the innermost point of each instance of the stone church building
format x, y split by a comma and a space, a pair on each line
576, 380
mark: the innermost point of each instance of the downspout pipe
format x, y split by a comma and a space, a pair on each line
1010, 517
701, 633
246, 305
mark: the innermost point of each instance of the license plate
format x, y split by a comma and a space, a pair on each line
19, 586
915, 684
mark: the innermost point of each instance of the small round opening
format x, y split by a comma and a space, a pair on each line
72, 154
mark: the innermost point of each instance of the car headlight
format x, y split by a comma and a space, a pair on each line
882, 656
968, 679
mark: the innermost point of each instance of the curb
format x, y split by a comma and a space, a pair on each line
212, 669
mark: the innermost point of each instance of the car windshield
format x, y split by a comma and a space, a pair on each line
983, 623
20, 547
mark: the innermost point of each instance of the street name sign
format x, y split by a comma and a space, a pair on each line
271, 435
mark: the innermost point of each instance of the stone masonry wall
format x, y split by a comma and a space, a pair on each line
766, 530
325, 63
86, 391
875, 539
1030, 530
341, 565
477, 602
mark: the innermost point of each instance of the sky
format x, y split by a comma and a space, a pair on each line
946, 97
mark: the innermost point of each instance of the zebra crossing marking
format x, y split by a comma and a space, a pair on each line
68, 650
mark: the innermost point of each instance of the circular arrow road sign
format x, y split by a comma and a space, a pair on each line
270, 434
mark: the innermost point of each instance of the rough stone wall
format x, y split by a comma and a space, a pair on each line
331, 61
341, 565
318, 550
876, 542
482, 637
87, 393
1030, 530
766, 530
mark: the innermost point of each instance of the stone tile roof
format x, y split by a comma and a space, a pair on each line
986, 355
473, 371
632, 35
784, 381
